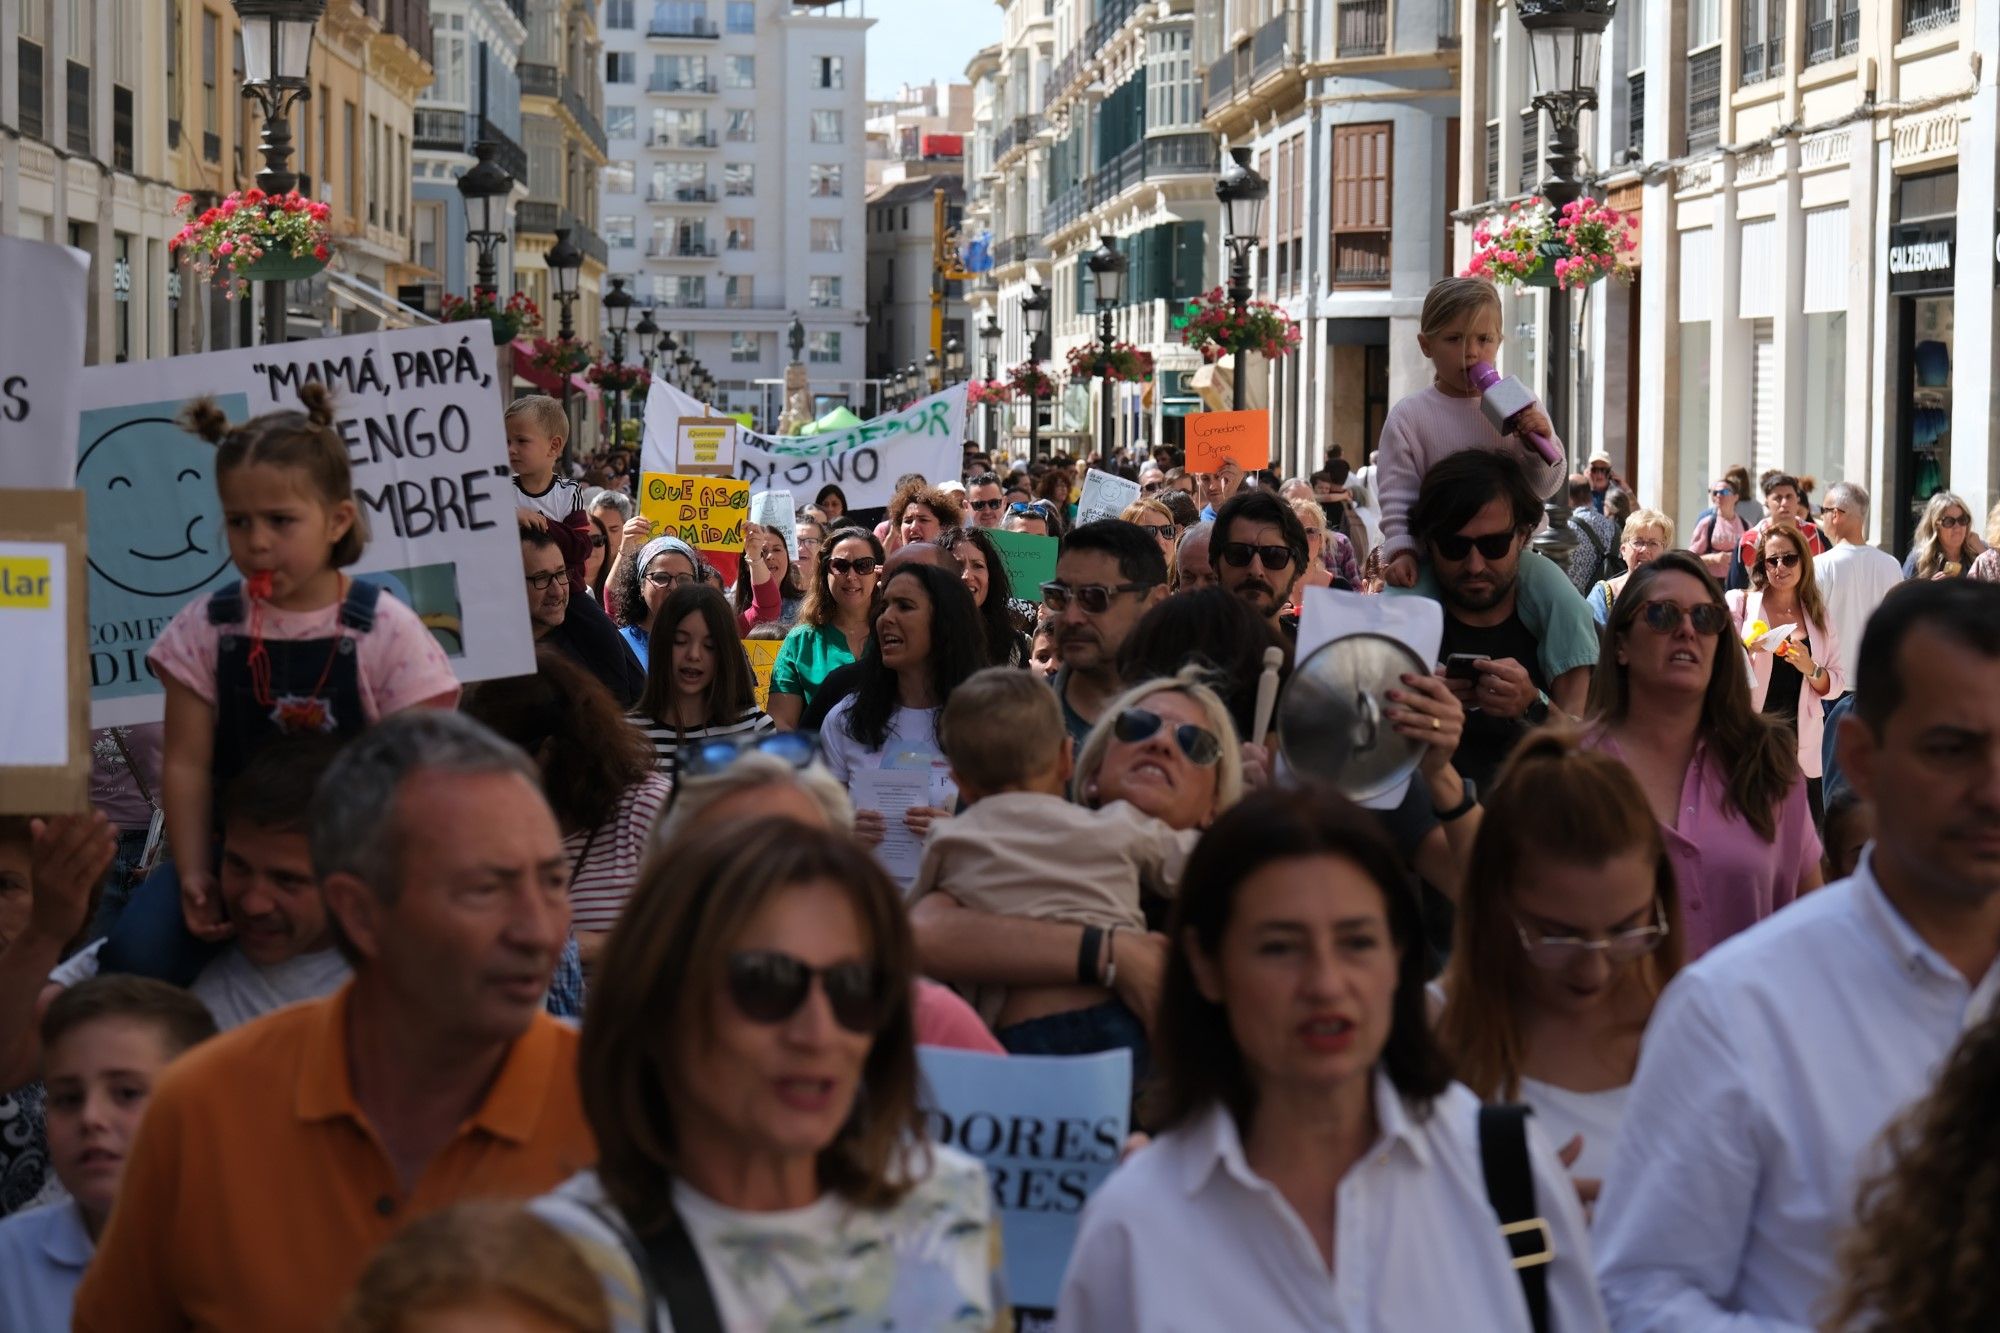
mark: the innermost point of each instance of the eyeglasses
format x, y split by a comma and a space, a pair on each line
1456, 546
1665, 617
1094, 598
770, 987
1139, 724
1954, 521
1239, 555
862, 565
1782, 559
659, 578
597, 542
540, 582
987, 506
706, 758
1556, 952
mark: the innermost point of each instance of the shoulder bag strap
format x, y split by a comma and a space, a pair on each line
1510, 1187
669, 1271
118, 739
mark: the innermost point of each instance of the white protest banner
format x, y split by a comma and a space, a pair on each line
45, 715
424, 438
1049, 1129
41, 360
1105, 495
927, 437
775, 511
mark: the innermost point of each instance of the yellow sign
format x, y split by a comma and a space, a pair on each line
763, 655
705, 512
24, 583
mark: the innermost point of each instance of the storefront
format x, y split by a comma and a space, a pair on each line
1922, 268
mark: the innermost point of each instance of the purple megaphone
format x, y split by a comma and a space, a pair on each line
1503, 399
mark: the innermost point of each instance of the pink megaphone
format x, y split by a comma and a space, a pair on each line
1503, 399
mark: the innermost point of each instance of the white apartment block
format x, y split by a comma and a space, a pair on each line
1815, 181
734, 194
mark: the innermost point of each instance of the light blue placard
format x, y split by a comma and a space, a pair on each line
1049, 1128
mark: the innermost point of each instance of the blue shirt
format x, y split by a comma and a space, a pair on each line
635, 639
43, 1253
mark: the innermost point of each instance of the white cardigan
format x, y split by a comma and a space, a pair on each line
1747, 605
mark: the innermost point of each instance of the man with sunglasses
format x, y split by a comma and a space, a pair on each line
986, 500
1259, 551
1527, 639
1108, 575
576, 626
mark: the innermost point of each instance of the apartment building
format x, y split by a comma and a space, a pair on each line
902, 236
561, 74
918, 131
1815, 181
474, 98
735, 191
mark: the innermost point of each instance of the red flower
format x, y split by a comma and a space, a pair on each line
321, 253
253, 195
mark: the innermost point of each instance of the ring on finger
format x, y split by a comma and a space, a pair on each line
1436, 725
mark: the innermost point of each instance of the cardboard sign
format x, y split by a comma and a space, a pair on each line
44, 654
775, 511
1215, 438
705, 512
1049, 1129
1030, 561
416, 412
1105, 495
763, 655
705, 444
41, 361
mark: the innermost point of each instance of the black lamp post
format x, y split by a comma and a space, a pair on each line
485, 183
1242, 192
647, 330
683, 359
565, 261
1107, 266
910, 383
932, 382
277, 65
665, 352
1035, 319
954, 360
1563, 37
989, 339
618, 305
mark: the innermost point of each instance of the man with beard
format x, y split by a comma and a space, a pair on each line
1525, 640
1107, 576
1258, 551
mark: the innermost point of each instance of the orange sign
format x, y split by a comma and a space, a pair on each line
1215, 438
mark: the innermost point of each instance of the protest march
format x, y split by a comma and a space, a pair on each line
876, 879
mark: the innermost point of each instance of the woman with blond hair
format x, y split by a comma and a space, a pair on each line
1945, 546
1986, 566
490, 1266
1648, 535
1158, 521
1794, 678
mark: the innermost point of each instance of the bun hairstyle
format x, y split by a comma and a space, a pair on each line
303, 441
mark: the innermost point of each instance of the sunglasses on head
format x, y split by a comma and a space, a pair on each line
1492, 546
769, 987
1094, 598
706, 758
1197, 743
1664, 617
1041, 507
987, 506
1239, 555
1782, 559
863, 565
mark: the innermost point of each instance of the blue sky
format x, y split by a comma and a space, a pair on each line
916, 41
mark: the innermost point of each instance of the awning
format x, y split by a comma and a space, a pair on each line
352, 291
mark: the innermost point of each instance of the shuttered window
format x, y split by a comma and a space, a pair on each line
1361, 204
1767, 451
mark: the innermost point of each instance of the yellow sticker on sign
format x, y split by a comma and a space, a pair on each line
705, 512
763, 655
25, 583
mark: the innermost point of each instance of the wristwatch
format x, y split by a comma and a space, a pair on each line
1537, 712
1464, 807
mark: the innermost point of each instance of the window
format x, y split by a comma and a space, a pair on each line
428, 226
620, 67
823, 346
1763, 51
682, 182
742, 15
1361, 205
746, 347
1173, 90
739, 180
619, 177
618, 14
680, 74
1704, 23
826, 127
739, 71
742, 126
618, 231
351, 152
449, 83
1288, 217
829, 72
739, 291
688, 292
823, 181
621, 122
826, 236
741, 233
823, 293
211, 99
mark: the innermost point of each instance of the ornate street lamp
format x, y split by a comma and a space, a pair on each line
1107, 266
485, 183
989, 340
277, 69
646, 329
618, 305
565, 262
931, 380
954, 359
1035, 319
1242, 192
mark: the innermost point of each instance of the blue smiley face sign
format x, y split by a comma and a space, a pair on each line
156, 533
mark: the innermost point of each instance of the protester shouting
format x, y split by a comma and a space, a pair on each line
699, 685
1108, 574
842, 680
833, 623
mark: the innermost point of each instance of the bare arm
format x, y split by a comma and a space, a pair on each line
187, 798
71, 854
1570, 691
785, 710
957, 944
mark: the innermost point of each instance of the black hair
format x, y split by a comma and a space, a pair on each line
1135, 550
1459, 486
819, 501
1185, 511
1260, 509
1003, 638
1965, 611
274, 790
181, 1019
958, 648
588, 754
983, 479
733, 688
1212, 628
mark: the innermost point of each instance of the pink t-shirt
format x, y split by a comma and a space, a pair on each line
943, 1019
401, 665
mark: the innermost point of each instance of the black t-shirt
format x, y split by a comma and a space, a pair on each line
1487, 738
837, 685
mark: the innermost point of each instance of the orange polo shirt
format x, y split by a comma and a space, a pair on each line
256, 1189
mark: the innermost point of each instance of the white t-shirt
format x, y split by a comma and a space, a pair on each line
911, 731
563, 498
1563, 1115
1853, 580
235, 989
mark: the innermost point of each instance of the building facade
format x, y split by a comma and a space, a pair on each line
1815, 183
902, 240
735, 189
561, 73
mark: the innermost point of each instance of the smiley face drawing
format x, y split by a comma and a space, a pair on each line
155, 516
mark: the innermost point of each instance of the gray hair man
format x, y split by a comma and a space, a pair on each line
1853, 579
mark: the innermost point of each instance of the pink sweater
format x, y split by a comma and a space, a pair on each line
1421, 431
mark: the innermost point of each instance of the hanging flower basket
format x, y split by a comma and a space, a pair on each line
1211, 325
978, 392
1124, 362
1029, 380
251, 236
508, 320
614, 377
562, 359
1533, 244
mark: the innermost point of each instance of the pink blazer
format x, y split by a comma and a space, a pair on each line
1747, 605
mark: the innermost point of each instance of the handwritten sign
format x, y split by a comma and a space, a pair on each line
1215, 438
1030, 561
1105, 495
44, 654
774, 510
41, 361
763, 655
1049, 1128
705, 512
701, 444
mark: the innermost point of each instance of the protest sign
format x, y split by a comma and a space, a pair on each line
1049, 1129
427, 448
1105, 495
1215, 438
1030, 561
774, 510
41, 361
763, 655
44, 654
702, 444
705, 512
927, 437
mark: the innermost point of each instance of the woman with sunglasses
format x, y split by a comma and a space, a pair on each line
642, 584
1945, 545
749, 1072
833, 623
700, 685
1791, 680
1719, 530
597, 565
1564, 941
1671, 698
984, 575
1317, 1168
1158, 521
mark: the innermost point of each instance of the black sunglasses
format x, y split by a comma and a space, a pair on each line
862, 565
984, 506
769, 987
1197, 743
1456, 546
1783, 559
1239, 554
598, 542
1094, 598
1665, 617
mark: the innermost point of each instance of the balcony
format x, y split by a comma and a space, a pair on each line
539, 217
1704, 100
684, 30
1921, 16
1018, 250
1362, 28
1850, 27
1065, 74
585, 115
1268, 48
1635, 114
684, 139
508, 155
539, 80
1181, 155
682, 194
1017, 134
1361, 259
439, 130
682, 248
674, 86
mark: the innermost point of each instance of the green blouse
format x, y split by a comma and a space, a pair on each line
809, 654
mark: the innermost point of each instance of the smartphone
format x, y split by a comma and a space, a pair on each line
1459, 666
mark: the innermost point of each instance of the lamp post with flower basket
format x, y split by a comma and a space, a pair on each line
277, 70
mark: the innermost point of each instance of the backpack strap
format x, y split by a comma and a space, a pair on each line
1596, 544
1510, 1187
669, 1270
357, 609
225, 605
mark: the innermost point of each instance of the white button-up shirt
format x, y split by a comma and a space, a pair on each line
1768, 1073
1186, 1236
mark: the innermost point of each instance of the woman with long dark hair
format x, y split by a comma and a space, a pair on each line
985, 577
699, 684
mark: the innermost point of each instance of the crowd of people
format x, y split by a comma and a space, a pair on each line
591, 999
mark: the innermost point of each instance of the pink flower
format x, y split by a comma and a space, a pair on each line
227, 247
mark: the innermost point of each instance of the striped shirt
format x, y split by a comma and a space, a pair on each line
667, 740
604, 861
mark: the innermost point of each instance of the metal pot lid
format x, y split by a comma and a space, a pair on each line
1330, 722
